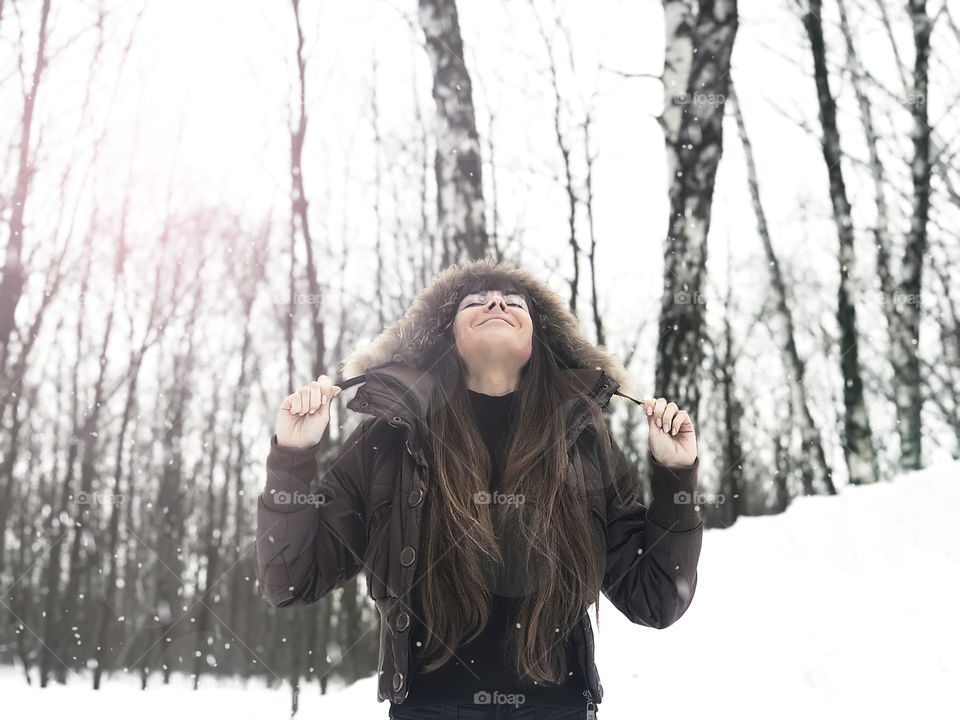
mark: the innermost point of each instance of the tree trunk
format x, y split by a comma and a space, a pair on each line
901, 301
906, 346
86, 503
170, 510
731, 478
589, 158
457, 162
566, 152
107, 612
55, 526
814, 469
858, 447
299, 204
11, 284
214, 544
695, 76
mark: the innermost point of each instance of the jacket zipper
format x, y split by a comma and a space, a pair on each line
591, 707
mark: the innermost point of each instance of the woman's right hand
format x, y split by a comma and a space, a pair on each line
305, 414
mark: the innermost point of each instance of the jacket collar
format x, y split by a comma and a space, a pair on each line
401, 394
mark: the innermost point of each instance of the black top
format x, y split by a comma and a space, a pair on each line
489, 669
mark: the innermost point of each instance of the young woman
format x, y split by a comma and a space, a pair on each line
485, 499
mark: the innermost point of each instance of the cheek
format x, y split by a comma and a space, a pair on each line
458, 329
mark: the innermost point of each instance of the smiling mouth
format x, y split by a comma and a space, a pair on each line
494, 320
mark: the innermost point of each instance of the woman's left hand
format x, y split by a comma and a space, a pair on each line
673, 440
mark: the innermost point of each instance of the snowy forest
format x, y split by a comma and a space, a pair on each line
206, 205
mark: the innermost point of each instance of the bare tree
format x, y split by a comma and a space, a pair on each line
457, 164
565, 146
215, 522
901, 296
699, 43
301, 217
814, 469
731, 484
377, 189
858, 446
590, 157
906, 339
11, 284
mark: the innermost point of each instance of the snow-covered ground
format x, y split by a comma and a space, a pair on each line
842, 607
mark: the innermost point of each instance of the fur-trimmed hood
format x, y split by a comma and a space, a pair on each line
409, 340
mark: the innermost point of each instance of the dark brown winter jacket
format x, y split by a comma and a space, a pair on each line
317, 531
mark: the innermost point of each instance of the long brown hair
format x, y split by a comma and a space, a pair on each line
551, 532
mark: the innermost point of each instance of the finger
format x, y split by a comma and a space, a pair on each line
323, 383
679, 419
304, 399
326, 392
316, 393
648, 406
292, 402
658, 411
668, 413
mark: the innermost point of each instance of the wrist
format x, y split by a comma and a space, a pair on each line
294, 448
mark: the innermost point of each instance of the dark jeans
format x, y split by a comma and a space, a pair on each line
468, 711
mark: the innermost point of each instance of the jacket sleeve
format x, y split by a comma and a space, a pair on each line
311, 541
652, 553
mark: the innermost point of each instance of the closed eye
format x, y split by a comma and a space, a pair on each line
513, 304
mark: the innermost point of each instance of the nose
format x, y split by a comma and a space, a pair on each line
499, 298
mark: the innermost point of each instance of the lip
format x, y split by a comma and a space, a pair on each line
497, 318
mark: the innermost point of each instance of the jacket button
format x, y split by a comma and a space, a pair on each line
403, 621
397, 681
407, 555
416, 496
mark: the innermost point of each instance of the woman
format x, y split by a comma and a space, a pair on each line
486, 501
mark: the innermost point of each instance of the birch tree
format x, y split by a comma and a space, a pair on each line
699, 43
457, 161
859, 452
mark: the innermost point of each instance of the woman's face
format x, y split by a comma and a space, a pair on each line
493, 331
